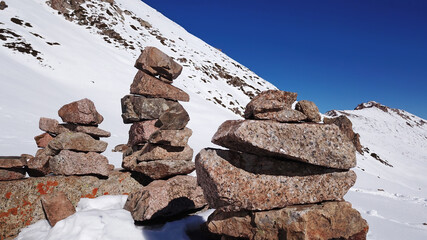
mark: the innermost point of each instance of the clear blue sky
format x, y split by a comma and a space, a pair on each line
335, 53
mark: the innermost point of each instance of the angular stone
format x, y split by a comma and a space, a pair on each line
12, 161
51, 126
270, 100
162, 199
39, 165
77, 163
57, 207
152, 152
317, 144
43, 139
80, 112
328, 220
137, 108
146, 85
90, 130
286, 115
346, 126
155, 62
20, 203
11, 174
175, 118
78, 142
235, 181
309, 109
174, 138
164, 168
140, 132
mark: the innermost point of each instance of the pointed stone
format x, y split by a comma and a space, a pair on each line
156, 63
77, 142
146, 85
318, 144
268, 101
57, 207
309, 109
162, 199
235, 181
80, 112
43, 140
328, 220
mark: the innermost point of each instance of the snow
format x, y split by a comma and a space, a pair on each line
392, 199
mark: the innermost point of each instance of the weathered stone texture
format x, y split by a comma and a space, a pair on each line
43, 140
57, 207
164, 168
12, 161
309, 109
174, 138
317, 144
140, 132
138, 108
80, 112
287, 115
78, 142
268, 101
162, 152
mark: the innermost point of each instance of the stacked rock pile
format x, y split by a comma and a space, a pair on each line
284, 176
73, 147
158, 140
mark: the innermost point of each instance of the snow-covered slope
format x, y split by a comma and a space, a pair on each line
391, 186
49, 59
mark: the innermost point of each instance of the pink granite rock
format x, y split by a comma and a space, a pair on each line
57, 207
80, 112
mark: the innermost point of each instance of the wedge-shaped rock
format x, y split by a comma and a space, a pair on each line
12, 161
78, 142
328, 220
51, 126
309, 109
57, 207
155, 62
11, 173
235, 181
318, 144
80, 112
146, 85
138, 108
164, 168
43, 139
152, 152
161, 199
140, 132
78, 163
286, 115
174, 138
268, 101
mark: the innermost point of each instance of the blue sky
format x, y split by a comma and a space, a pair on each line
335, 53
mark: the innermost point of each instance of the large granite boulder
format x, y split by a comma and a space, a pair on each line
137, 108
57, 207
78, 142
270, 101
159, 169
309, 109
79, 163
234, 181
140, 132
146, 85
156, 63
174, 138
328, 220
80, 112
318, 144
165, 198
20, 203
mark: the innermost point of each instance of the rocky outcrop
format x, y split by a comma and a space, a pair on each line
57, 207
328, 220
162, 199
319, 144
20, 203
282, 178
239, 181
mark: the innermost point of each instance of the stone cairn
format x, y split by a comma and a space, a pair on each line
284, 176
158, 140
73, 147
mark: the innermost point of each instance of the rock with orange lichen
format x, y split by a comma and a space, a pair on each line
20, 203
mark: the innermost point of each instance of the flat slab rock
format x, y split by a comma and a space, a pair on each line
57, 207
286, 115
147, 85
328, 220
78, 142
318, 144
165, 198
152, 152
164, 168
78, 163
174, 138
155, 62
234, 181
140, 132
7, 174
52, 126
80, 112
20, 203
268, 101
12, 161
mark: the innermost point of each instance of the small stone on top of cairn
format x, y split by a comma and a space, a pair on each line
280, 175
158, 140
71, 148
